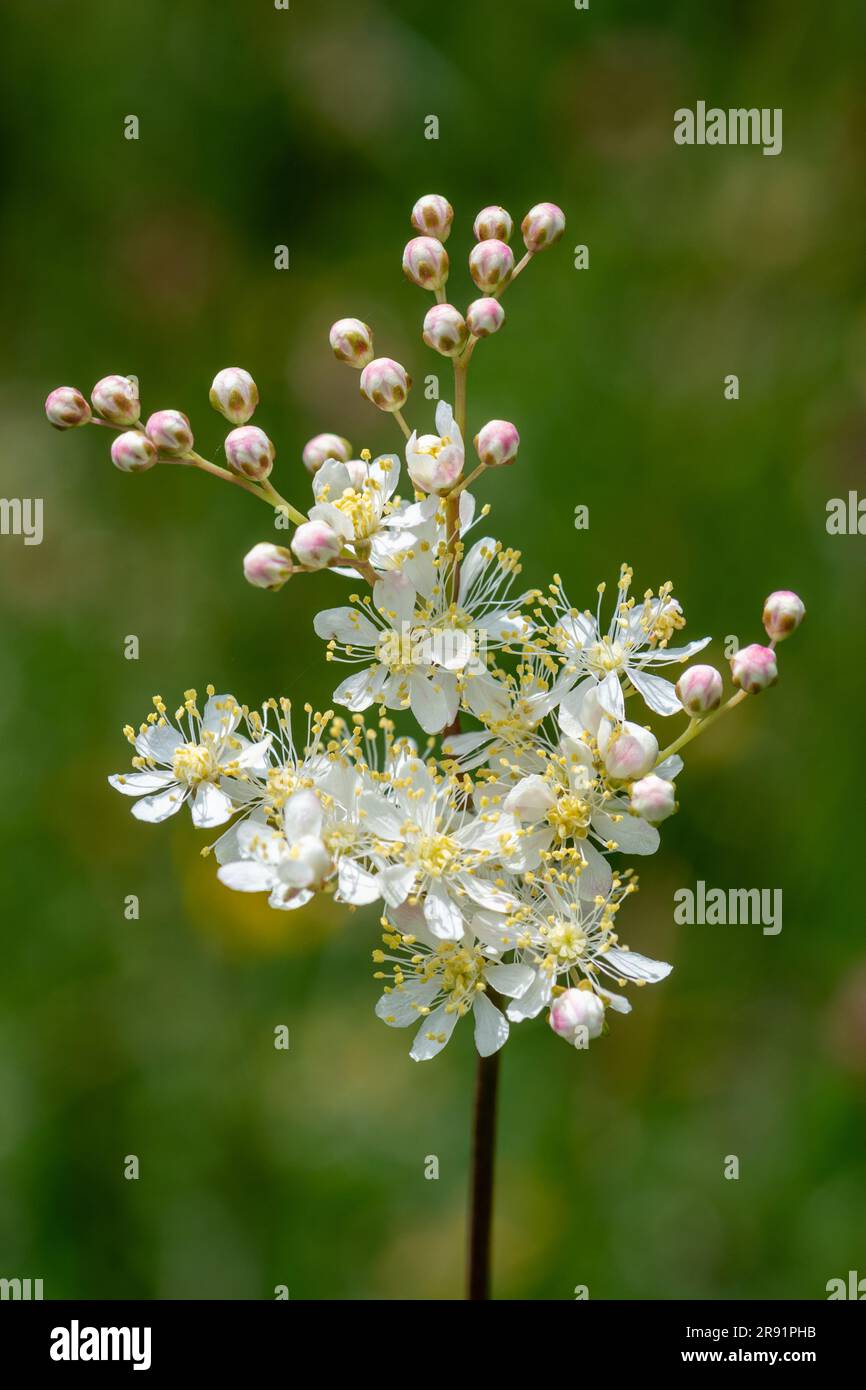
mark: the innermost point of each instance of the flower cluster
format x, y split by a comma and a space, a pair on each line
496, 860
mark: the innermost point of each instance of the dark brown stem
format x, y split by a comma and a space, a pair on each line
481, 1199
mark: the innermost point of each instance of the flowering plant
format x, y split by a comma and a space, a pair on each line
498, 858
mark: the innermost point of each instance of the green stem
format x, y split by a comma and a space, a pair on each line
697, 726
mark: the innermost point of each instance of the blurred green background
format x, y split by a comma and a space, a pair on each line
260, 127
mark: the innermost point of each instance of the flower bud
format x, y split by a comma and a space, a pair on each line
133, 452
315, 544
66, 408
268, 566
432, 215
754, 668
700, 690
250, 452
576, 1015
783, 614
234, 394
497, 442
385, 383
351, 342
629, 751
542, 226
445, 330
485, 316
493, 224
490, 265
325, 446
653, 798
170, 432
425, 262
115, 398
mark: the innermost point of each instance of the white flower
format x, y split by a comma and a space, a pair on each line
434, 851
559, 939
438, 982
636, 640
413, 642
435, 461
207, 764
289, 863
355, 500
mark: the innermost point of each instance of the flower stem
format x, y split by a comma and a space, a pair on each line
398, 416
481, 1198
697, 726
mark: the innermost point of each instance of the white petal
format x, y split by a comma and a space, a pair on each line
140, 783
396, 883
633, 966
394, 597
160, 742
160, 806
302, 815
209, 806
358, 692
221, 715
246, 876
356, 884
610, 696
512, 980
533, 1000
347, 626
399, 1007
442, 915
595, 879
658, 693
632, 834
491, 1027
441, 1024
428, 701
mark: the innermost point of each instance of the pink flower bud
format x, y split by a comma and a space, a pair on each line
493, 224
133, 452
234, 394
754, 668
700, 690
268, 566
485, 316
66, 408
653, 798
385, 383
497, 442
629, 751
783, 614
577, 1015
250, 452
351, 342
315, 544
325, 446
445, 330
115, 398
490, 265
170, 432
432, 215
425, 262
542, 226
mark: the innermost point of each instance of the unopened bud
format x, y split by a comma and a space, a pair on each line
133, 452
653, 798
542, 226
484, 316
445, 330
754, 668
493, 224
432, 215
315, 544
170, 432
385, 383
351, 342
700, 690
497, 442
325, 446
115, 398
234, 394
577, 1015
425, 262
783, 614
268, 566
490, 265
250, 452
629, 751
66, 408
